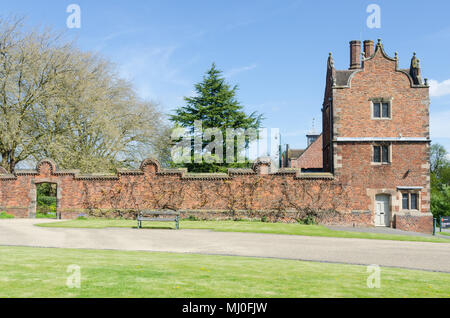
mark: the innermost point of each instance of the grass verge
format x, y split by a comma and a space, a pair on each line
42, 272
244, 226
4, 215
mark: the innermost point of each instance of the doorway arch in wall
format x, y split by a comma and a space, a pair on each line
33, 196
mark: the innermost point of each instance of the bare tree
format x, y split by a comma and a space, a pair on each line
57, 101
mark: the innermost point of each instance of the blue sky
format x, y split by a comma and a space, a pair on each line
276, 51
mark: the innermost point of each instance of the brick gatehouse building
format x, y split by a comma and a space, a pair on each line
374, 155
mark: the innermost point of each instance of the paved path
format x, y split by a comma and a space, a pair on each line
383, 230
415, 255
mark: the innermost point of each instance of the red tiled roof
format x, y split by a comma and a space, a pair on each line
295, 153
311, 157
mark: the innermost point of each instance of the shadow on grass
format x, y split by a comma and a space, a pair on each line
154, 228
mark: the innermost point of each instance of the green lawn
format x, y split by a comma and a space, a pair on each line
244, 226
42, 272
4, 215
46, 215
444, 233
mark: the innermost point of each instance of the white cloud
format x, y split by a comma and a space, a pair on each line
156, 75
439, 89
102, 43
235, 71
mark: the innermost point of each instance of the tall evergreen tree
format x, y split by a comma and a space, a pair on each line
216, 106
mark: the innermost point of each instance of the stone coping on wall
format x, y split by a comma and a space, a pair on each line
181, 172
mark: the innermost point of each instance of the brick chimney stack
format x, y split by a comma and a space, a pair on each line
355, 54
368, 48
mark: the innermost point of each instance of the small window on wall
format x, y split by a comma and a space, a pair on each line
410, 201
413, 200
381, 110
405, 201
381, 154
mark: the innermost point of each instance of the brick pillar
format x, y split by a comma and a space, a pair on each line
355, 54
262, 165
368, 48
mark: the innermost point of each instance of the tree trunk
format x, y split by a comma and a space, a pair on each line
5, 163
8, 162
12, 165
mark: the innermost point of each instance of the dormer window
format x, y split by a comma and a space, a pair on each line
381, 109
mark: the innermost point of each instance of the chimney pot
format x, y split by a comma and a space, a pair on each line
355, 54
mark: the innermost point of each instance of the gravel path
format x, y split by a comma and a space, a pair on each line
414, 255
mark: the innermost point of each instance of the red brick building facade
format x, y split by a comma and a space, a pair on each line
374, 146
376, 134
311, 158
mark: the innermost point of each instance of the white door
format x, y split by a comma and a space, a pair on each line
382, 210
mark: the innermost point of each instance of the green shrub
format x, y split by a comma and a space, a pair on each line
46, 205
46, 189
192, 218
440, 201
308, 220
4, 215
46, 200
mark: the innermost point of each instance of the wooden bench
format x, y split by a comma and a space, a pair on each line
158, 215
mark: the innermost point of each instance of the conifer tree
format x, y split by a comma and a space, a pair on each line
216, 106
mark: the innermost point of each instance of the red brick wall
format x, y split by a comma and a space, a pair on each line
153, 187
379, 78
285, 196
414, 223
